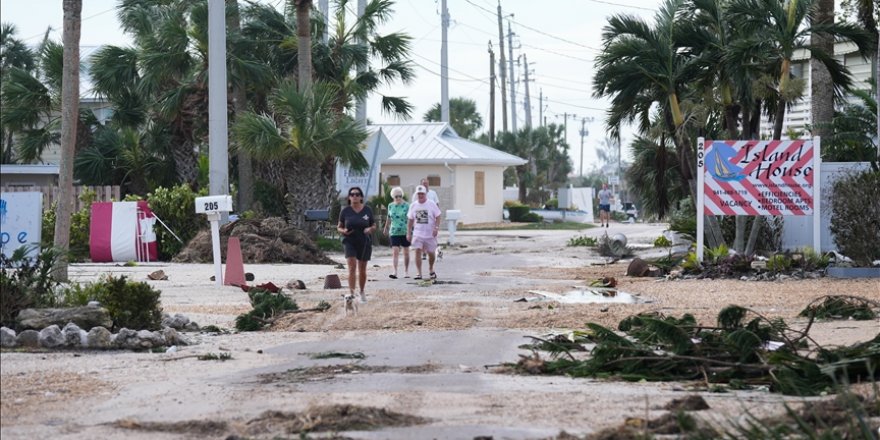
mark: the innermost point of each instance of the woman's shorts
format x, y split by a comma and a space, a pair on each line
399, 241
426, 244
362, 250
606, 208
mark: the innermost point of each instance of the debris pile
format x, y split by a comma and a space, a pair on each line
269, 240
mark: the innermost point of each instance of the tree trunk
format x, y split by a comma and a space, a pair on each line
521, 183
304, 43
69, 118
777, 119
753, 236
239, 104
308, 187
822, 92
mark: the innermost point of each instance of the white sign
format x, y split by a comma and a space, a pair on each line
205, 205
21, 220
614, 180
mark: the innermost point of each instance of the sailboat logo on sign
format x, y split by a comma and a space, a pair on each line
720, 165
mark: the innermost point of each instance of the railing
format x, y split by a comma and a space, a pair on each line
105, 193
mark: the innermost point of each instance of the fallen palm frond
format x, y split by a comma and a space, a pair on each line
745, 349
841, 307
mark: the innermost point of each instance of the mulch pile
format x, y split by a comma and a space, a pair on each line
269, 240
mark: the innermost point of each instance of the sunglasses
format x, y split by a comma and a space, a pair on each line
398, 197
355, 195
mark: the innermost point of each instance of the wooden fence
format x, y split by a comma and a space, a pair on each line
50, 194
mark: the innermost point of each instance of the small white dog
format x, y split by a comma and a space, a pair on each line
349, 304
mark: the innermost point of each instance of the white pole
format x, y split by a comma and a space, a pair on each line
218, 157
817, 195
444, 63
214, 218
361, 107
701, 163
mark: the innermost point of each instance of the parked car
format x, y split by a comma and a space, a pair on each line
629, 208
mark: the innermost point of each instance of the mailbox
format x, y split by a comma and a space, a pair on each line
212, 204
452, 218
453, 214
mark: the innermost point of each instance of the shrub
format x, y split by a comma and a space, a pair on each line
531, 217
779, 263
518, 213
131, 304
552, 203
662, 241
26, 282
583, 240
80, 222
684, 219
176, 207
855, 216
812, 260
691, 264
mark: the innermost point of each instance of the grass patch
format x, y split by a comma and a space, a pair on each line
329, 244
336, 354
215, 357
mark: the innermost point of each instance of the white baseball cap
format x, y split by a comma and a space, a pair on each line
421, 189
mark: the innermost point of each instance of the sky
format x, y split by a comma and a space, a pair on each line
559, 38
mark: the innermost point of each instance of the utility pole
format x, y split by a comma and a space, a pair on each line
361, 109
491, 95
218, 149
584, 133
502, 68
444, 64
541, 108
512, 78
527, 104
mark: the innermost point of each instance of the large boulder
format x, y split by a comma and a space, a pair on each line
7, 337
99, 338
28, 338
51, 337
74, 336
84, 317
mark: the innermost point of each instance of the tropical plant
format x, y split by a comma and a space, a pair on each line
14, 53
133, 305
653, 176
463, 116
26, 282
855, 216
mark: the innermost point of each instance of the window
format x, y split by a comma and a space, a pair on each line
479, 188
393, 180
434, 181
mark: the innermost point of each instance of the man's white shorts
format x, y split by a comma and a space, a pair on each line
426, 244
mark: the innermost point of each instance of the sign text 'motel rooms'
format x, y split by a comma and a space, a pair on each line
758, 177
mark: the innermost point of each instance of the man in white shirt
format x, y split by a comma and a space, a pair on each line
432, 195
423, 225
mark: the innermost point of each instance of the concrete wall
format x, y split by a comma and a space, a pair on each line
797, 232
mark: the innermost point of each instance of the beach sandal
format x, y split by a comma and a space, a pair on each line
418, 277
433, 275
392, 276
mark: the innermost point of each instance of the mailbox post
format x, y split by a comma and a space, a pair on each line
452, 217
214, 207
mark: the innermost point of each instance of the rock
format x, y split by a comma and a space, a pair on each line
172, 337
125, 338
191, 327
28, 338
74, 336
637, 268
148, 339
177, 322
296, 285
158, 275
99, 338
51, 337
248, 276
84, 317
7, 337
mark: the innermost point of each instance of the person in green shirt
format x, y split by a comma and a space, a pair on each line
395, 229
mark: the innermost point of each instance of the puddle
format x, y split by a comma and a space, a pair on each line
588, 296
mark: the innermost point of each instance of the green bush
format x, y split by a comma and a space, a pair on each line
855, 216
26, 283
779, 263
80, 222
583, 240
176, 207
131, 304
269, 200
531, 217
552, 203
518, 213
662, 241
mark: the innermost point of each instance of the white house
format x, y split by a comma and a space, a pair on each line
467, 176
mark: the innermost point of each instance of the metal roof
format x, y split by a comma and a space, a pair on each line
437, 143
29, 169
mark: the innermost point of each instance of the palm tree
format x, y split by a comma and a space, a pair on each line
303, 125
304, 42
653, 175
463, 116
69, 119
779, 30
13, 54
